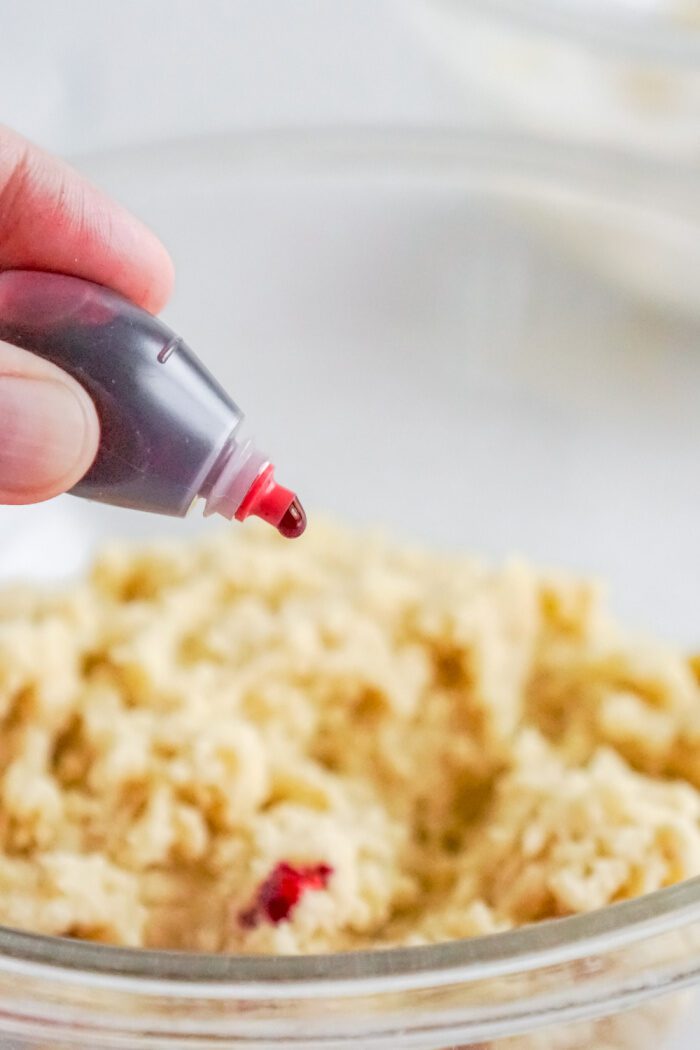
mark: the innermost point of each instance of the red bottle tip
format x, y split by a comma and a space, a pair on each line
274, 504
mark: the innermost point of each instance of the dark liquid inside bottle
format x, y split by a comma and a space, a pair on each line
164, 419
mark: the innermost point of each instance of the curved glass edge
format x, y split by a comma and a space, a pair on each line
444, 153
553, 942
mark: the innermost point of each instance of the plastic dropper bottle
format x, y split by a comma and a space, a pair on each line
169, 433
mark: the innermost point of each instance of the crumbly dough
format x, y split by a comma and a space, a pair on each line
463, 749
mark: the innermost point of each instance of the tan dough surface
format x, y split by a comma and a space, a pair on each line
468, 749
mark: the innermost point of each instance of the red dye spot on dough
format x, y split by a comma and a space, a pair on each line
282, 890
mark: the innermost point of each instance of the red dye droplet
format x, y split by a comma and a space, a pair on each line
293, 521
282, 890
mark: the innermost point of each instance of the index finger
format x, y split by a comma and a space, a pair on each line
51, 218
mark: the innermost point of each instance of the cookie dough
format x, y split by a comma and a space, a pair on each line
242, 744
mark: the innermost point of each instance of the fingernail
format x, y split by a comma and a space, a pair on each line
44, 430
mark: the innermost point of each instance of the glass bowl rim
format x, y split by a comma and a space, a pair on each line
436, 152
526, 949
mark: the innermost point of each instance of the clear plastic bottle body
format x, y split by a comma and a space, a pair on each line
165, 421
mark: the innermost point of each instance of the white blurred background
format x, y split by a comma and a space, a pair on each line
93, 74
89, 74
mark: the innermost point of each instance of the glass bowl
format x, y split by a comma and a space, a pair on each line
415, 327
625, 73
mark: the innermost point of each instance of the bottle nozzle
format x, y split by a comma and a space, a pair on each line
243, 484
274, 504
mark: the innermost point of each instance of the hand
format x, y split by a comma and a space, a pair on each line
52, 219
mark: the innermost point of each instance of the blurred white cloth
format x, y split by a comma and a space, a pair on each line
85, 75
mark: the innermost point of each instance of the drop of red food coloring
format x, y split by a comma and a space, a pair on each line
282, 890
293, 521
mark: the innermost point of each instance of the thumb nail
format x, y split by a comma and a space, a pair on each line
48, 436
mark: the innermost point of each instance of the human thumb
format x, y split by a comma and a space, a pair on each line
49, 429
